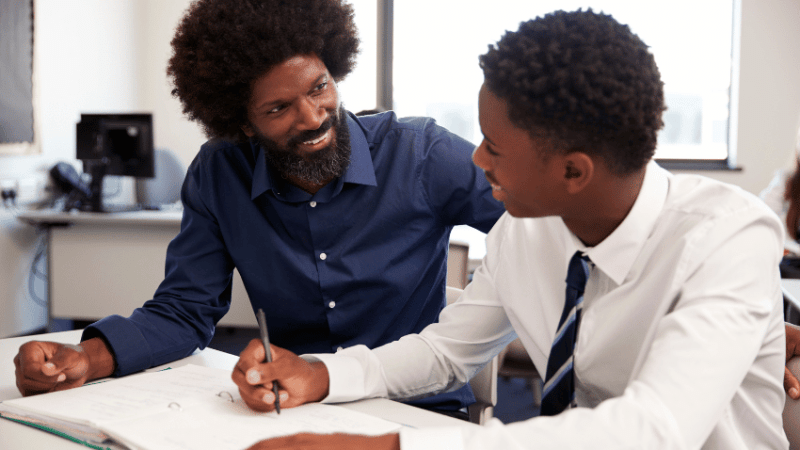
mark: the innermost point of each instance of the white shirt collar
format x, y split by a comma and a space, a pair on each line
616, 254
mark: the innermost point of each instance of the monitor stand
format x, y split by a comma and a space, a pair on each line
97, 170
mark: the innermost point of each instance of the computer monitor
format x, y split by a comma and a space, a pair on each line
114, 144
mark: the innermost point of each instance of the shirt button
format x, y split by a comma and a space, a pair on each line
332, 304
313, 204
338, 349
323, 256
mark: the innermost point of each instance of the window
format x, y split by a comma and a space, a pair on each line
16, 77
359, 90
436, 44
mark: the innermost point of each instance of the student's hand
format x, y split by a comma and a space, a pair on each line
50, 366
790, 383
300, 381
330, 442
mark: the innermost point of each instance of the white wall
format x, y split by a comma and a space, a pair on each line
769, 94
110, 56
90, 56
172, 130
100, 56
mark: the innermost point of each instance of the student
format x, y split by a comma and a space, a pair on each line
338, 225
782, 195
673, 295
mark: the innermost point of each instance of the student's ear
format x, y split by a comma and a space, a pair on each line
578, 171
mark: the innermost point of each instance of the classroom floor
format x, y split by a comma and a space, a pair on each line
514, 397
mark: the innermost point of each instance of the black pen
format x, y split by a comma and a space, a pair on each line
262, 326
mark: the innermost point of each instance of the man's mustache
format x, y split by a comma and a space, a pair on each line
310, 135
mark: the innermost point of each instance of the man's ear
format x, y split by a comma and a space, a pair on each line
578, 171
248, 131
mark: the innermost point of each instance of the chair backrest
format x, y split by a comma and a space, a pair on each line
483, 384
458, 264
791, 411
165, 187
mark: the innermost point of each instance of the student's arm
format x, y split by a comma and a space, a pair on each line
790, 382
300, 381
412, 367
50, 366
331, 442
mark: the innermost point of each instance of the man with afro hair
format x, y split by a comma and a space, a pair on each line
339, 225
668, 332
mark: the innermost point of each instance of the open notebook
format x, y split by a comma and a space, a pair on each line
191, 407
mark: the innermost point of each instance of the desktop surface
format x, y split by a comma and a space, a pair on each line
15, 436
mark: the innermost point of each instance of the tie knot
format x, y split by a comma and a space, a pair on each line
578, 271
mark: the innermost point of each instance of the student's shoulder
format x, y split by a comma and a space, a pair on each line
702, 198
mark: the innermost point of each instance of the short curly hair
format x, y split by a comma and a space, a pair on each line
222, 46
585, 81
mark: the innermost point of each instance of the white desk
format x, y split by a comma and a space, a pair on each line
102, 264
14, 436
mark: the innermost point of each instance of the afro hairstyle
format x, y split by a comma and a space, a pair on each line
221, 47
584, 81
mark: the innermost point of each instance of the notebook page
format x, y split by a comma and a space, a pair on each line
191, 407
130, 396
222, 425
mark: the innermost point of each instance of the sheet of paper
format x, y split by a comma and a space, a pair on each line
192, 407
130, 396
222, 425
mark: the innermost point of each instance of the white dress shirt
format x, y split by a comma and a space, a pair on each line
681, 342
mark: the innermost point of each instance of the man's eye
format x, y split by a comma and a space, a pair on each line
276, 109
322, 86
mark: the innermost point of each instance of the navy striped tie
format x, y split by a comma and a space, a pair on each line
559, 385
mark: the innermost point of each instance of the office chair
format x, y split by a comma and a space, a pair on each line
516, 363
458, 264
483, 384
165, 187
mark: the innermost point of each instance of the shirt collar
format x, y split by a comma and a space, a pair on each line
360, 170
616, 254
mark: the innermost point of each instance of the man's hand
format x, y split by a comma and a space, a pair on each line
790, 383
330, 442
49, 366
300, 381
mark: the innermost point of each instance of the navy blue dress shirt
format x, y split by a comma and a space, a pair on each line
362, 261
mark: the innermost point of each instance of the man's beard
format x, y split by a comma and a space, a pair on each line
317, 167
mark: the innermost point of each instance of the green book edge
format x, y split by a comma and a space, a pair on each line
58, 433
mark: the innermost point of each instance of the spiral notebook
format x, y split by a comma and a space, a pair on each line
190, 407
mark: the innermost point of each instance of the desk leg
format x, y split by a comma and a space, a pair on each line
48, 285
